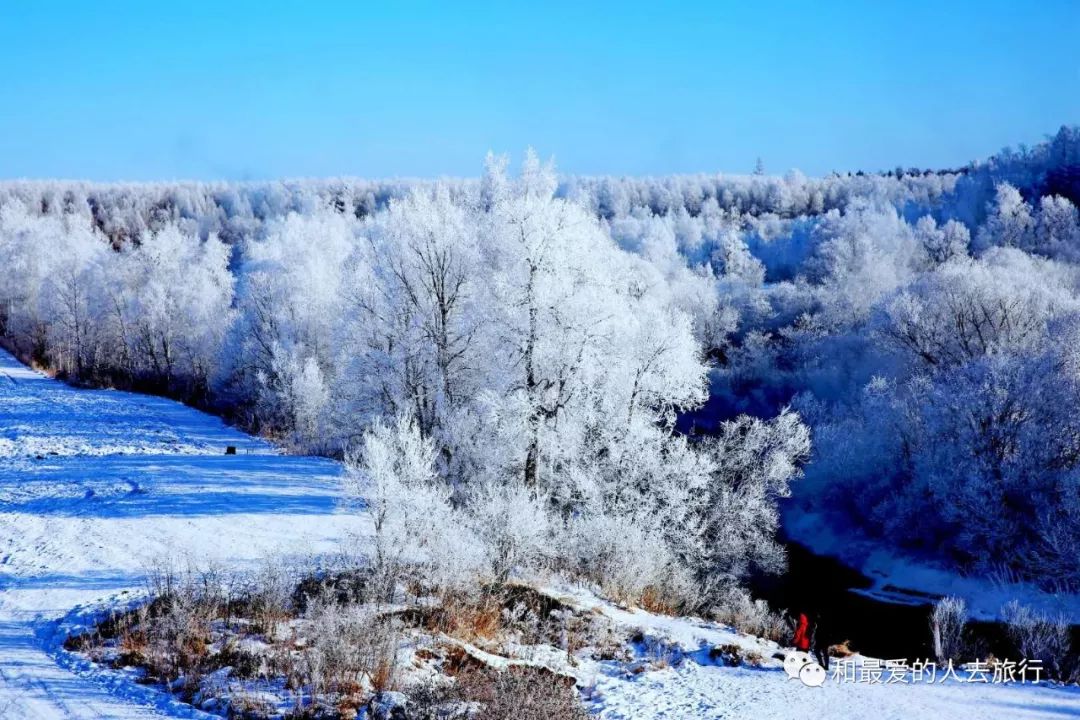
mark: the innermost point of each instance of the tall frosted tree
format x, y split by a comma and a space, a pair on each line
1009, 221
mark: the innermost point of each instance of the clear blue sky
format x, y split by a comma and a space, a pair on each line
161, 90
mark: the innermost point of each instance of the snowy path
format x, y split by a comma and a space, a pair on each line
95, 486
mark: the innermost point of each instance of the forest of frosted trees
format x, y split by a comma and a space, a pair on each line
614, 378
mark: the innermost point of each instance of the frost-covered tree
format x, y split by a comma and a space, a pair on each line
1009, 221
967, 309
52, 291
72, 300
580, 334
942, 243
1057, 229
751, 464
182, 304
283, 348
861, 255
411, 319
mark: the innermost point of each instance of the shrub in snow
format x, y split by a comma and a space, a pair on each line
1038, 636
947, 623
416, 527
628, 559
513, 524
523, 693
733, 606
388, 706
350, 650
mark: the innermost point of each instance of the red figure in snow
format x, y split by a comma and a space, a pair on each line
801, 641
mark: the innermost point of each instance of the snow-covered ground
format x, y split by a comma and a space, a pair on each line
693, 686
709, 691
96, 486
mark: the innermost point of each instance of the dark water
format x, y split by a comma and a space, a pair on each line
823, 587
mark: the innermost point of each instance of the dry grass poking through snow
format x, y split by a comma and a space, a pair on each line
327, 645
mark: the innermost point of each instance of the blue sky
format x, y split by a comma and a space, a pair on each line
159, 90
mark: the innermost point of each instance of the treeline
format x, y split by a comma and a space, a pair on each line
235, 211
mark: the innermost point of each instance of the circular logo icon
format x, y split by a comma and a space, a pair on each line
812, 675
794, 662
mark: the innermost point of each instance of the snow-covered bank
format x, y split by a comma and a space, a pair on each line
97, 485
689, 681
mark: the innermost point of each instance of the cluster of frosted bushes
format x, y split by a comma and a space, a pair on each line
338, 643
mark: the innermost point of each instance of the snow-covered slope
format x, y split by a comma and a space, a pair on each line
95, 486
